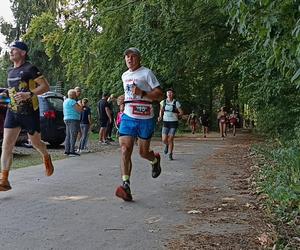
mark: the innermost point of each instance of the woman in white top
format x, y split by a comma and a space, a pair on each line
170, 111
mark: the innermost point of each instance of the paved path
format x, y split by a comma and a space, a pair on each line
76, 207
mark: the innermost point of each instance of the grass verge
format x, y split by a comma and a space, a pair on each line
278, 180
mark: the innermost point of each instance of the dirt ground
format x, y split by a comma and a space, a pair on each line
225, 212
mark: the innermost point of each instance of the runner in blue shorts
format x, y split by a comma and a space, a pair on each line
141, 88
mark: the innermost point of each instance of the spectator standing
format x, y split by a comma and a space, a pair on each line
78, 93
72, 111
85, 125
78, 100
104, 114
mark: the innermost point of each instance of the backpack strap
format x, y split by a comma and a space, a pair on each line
164, 104
174, 106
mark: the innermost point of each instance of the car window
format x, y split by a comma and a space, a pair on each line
56, 103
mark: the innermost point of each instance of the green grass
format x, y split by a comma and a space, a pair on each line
279, 179
27, 160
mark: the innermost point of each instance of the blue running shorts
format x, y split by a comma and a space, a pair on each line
141, 128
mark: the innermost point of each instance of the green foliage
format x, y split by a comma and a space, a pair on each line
186, 45
269, 71
279, 179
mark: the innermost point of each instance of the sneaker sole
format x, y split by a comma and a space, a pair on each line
5, 188
121, 193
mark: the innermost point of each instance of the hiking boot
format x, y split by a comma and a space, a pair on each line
166, 149
49, 169
156, 169
124, 192
171, 157
4, 185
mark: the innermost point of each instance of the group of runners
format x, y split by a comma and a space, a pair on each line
227, 121
135, 119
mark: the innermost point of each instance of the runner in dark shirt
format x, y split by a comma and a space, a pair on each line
25, 82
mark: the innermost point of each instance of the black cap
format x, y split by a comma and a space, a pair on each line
19, 45
135, 51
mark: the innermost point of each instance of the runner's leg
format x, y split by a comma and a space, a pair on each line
10, 136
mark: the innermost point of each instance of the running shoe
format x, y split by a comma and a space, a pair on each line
4, 186
49, 169
124, 192
166, 149
156, 169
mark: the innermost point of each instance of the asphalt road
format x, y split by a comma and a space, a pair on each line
76, 207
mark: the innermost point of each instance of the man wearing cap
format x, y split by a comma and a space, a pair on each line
25, 82
141, 88
170, 111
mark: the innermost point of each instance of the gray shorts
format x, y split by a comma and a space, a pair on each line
169, 128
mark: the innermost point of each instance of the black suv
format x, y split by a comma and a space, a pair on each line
53, 128
22, 136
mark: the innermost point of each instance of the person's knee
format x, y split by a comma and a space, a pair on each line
165, 140
125, 150
37, 143
7, 147
170, 139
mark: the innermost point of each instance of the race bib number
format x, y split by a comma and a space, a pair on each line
141, 110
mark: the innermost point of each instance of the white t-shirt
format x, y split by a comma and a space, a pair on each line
169, 115
144, 79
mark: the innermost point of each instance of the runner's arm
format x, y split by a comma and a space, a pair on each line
161, 113
43, 86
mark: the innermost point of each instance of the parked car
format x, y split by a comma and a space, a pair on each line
3, 108
53, 128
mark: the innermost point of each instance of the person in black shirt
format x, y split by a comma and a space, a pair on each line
85, 125
105, 117
25, 82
